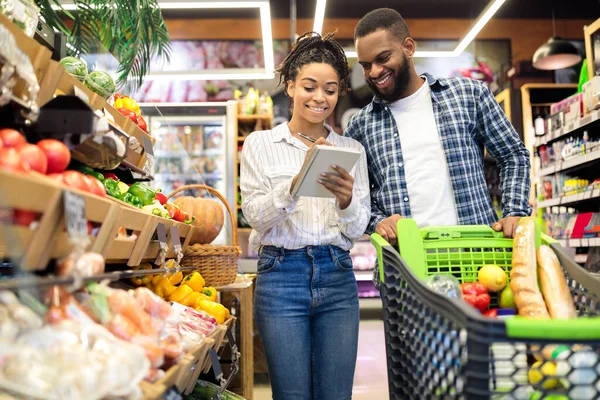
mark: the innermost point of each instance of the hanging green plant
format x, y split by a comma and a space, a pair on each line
132, 30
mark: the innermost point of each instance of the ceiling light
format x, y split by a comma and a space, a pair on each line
482, 20
319, 16
556, 53
268, 72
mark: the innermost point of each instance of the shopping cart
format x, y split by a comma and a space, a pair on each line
442, 348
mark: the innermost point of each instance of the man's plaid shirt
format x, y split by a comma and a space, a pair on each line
468, 119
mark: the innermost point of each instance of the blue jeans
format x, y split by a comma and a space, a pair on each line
306, 311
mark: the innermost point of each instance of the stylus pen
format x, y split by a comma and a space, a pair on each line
303, 136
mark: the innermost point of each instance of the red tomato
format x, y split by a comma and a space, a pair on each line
96, 187
12, 138
57, 177
10, 160
58, 154
34, 157
75, 180
23, 218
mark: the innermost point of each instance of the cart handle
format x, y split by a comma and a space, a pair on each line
584, 328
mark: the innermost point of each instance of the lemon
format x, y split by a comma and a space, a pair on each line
540, 371
492, 277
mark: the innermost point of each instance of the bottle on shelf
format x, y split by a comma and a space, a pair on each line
540, 125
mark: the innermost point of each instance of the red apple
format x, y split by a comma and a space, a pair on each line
23, 217
58, 154
11, 160
33, 156
12, 138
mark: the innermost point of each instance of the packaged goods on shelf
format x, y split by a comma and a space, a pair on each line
568, 148
572, 225
591, 95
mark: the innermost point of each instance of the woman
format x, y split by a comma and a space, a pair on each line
306, 298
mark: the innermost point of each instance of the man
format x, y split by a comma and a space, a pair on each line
425, 139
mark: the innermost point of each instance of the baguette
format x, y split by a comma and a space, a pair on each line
554, 285
523, 275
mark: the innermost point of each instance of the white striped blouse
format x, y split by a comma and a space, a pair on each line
270, 159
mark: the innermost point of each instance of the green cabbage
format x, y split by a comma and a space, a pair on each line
101, 83
75, 66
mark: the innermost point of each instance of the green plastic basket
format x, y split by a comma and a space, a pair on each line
443, 348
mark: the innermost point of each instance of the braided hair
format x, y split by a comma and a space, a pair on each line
313, 48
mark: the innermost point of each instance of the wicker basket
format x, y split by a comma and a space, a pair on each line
218, 265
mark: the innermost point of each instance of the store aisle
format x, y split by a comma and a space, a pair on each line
370, 379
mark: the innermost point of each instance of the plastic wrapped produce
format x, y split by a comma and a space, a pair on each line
75, 66
447, 285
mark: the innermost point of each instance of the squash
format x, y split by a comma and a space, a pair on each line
208, 216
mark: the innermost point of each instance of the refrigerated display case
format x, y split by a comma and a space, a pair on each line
195, 143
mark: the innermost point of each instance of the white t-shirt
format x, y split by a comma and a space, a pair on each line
425, 166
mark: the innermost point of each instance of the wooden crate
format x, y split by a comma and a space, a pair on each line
38, 55
151, 252
122, 251
32, 193
98, 210
192, 366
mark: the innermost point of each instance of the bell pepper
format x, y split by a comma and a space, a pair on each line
110, 175
191, 300
142, 280
96, 175
144, 192
112, 187
176, 278
195, 281
141, 122
156, 279
123, 187
164, 288
174, 212
218, 311
211, 292
180, 294
491, 313
186, 218
476, 295
162, 199
85, 169
156, 209
131, 199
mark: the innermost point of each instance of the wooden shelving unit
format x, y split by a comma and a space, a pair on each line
246, 124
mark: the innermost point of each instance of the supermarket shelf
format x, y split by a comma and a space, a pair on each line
570, 163
190, 176
363, 276
254, 117
182, 153
571, 199
568, 129
576, 243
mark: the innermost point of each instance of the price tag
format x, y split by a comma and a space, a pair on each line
175, 239
585, 243
81, 94
147, 143
161, 231
230, 338
596, 193
216, 365
173, 394
75, 220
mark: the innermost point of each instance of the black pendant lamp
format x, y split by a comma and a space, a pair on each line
556, 53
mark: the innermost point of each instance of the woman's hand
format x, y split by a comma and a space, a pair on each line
340, 184
320, 141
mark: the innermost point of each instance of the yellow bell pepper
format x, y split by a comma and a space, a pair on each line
141, 280
218, 311
164, 288
211, 292
191, 300
201, 296
156, 279
195, 281
118, 103
180, 294
176, 279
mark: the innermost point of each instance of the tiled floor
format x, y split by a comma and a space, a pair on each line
370, 379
